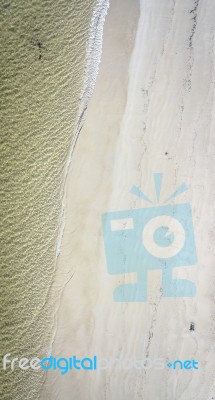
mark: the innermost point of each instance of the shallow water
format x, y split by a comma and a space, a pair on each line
43, 50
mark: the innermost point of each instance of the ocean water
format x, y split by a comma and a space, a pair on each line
49, 60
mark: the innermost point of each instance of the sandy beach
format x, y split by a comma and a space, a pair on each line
152, 111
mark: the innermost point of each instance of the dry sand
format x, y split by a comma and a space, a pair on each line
152, 110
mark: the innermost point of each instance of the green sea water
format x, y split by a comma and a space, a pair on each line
43, 64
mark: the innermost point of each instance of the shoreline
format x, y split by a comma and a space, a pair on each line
93, 53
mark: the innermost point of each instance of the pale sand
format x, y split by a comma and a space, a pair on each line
154, 95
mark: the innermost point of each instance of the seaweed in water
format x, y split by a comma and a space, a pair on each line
37, 43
